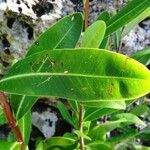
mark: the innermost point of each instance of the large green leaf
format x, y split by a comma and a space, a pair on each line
126, 15
94, 34
64, 34
90, 75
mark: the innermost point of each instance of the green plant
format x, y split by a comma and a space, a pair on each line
95, 82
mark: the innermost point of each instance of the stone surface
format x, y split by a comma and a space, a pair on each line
48, 120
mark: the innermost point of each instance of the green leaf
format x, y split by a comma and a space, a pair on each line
127, 136
94, 34
105, 17
25, 125
130, 118
21, 104
98, 146
120, 120
143, 56
139, 147
99, 132
140, 110
63, 34
93, 113
58, 142
126, 15
83, 79
5, 145
81, 134
74, 105
135, 21
106, 104
65, 113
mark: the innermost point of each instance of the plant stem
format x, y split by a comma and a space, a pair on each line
86, 14
11, 120
81, 126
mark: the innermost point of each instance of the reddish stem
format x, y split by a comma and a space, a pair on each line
86, 14
11, 120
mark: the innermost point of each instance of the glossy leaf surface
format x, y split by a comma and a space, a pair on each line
83, 79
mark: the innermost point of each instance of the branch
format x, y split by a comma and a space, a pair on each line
86, 14
11, 120
81, 126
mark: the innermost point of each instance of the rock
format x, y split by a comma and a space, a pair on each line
48, 120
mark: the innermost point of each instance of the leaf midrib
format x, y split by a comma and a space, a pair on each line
70, 75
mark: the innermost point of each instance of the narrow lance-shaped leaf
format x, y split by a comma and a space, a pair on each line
120, 120
59, 142
21, 104
143, 56
105, 17
65, 113
94, 34
135, 22
25, 125
126, 15
65, 33
94, 75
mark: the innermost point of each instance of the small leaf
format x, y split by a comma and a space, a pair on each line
63, 34
5, 145
99, 132
58, 142
130, 118
74, 105
126, 15
21, 104
106, 104
143, 56
104, 16
139, 147
65, 113
93, 113
139, 110
25, 125
94, 34
98, 146
81, 134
